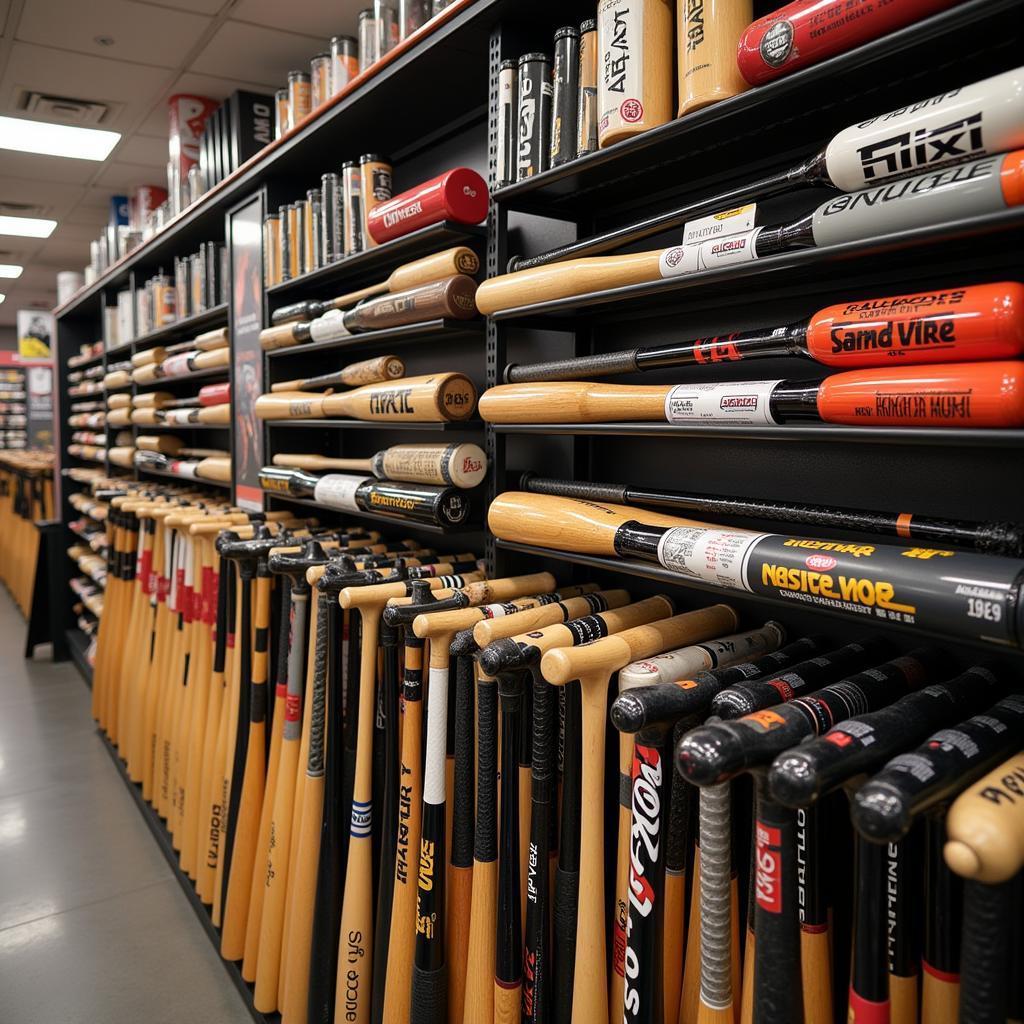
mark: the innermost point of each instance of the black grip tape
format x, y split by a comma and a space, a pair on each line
572, 489
429, 996
604, 365
986, 946
566, 893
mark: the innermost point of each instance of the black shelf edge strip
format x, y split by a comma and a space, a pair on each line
803, 262
656, 572
427, 240
163, 840
429, 330
395, 521
78, 644
446, 427
828, 433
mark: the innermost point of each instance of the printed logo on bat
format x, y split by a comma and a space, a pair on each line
959, 140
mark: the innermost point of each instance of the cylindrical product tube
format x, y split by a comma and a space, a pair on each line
534, 115
635, 79
197, 283
271, 250
352, 191
565, 95
507, 108
375, 176
299, 97
286, 243
332, 238
282, 119
459, 195
294, 240
314, 230
411, 15
320, 77
586, 112
367, 39
385, 14
807, 31
344, 62
707, 36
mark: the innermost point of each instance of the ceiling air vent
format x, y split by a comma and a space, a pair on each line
64, 109
21, 209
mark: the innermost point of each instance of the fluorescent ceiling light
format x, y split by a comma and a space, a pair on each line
10, 270
2, 296
25, 136
27, 227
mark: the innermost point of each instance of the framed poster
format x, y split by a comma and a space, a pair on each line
35, 331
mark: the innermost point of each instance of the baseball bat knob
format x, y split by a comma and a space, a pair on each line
961, 859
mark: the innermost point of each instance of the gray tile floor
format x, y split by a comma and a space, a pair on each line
94, 928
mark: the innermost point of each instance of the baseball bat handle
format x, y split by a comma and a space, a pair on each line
988, 912
429, 995
564, 925
573, 489
605, 365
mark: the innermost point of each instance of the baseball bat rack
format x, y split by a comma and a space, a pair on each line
213, 373
165, 842
373, 262
763, 129
215, 316
465, 427
199, 481
397, 522
432, 331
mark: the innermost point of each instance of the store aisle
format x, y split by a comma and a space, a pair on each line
93, 926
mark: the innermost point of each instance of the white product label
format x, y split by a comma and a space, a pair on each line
665, 668
186, 469
620, 35
714, 556
437, 724
177, 366
718, 225
720, 252
745, 401
339, 491
986, 117
329, 327
679, 260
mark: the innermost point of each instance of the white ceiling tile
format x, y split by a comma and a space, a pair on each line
132, 88
5, 6
33, 190
125, 177
140, 34
142, 149
246, 51
323, 18
199, 6
46, 168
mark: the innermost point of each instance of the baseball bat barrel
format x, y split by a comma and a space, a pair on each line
450, 298
985, 826
434, 398
884, 808
996, 538
488, 630
457, 260
370, 371
459, 194
994, 103
949, 325
880, 397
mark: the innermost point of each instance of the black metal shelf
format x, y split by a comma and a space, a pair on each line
652, 571
189, 324
732, 141
397, 521
446, 427
881, 259
429, 330
177, 426
184, 378
373, 261
78, 644
166, 844
826, 433
199, 481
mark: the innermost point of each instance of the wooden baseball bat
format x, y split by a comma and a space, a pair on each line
591, 600
434, 398
593, 665
460, 465
707, 35
450, 298
369, 371
457, 260
988, 537
841, 398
